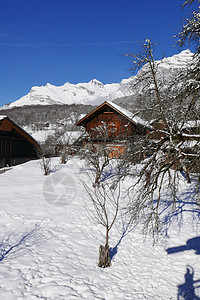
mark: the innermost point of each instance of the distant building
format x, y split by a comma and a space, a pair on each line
115, 124
16, 145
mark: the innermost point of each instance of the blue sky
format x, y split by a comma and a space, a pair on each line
57, 41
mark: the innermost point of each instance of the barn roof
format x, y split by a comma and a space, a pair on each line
20, 130
122, 111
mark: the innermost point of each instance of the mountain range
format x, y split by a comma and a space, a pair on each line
95, 92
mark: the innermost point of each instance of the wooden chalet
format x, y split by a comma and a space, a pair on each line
16, 145
114, 125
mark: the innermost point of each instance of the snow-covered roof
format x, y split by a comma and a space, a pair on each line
2, 117
129, 115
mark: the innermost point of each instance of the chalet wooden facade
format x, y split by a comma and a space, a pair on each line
16, 145
114, 125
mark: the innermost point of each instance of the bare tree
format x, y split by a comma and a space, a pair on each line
105, 199
190, 35
101, 188
189, 2
46, 152
63, 143
174, 143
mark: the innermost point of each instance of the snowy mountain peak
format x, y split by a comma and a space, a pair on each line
49, 84
96, 82
95, 92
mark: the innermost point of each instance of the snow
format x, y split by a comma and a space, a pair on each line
71, 136
95, 92
42, 135
169, 67
55, 244
191, 124
2, 117
130, 115
183, 59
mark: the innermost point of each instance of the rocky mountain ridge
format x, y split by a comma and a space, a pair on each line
94, 92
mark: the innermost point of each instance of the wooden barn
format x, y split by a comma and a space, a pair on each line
114, 125
16, 145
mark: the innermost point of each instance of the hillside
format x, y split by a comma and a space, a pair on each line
39, 115
49, 246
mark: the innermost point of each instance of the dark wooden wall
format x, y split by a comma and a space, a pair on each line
14, 146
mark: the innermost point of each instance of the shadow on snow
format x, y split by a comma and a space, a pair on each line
113, 251
15, 244
188, 202
191, 244
190, 287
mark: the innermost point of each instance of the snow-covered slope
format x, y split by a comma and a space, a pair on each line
94, 92
171, 66
49, 246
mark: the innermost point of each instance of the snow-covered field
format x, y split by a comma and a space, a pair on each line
49, 246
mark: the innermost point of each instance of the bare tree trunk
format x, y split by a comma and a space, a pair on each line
46, 164
104, 256
107, 231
